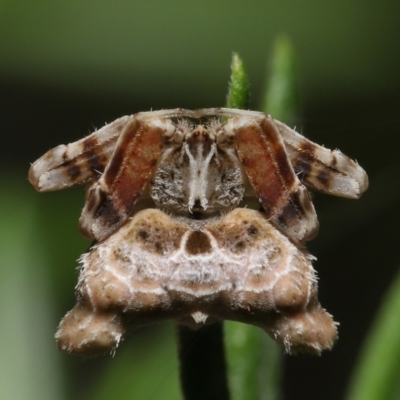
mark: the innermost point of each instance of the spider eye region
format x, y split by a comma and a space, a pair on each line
199, 178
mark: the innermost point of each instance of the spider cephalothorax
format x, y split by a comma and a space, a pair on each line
198, 257
198, 175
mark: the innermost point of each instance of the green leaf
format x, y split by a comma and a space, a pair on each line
145, 368
238, 92
280, 98
254, 363
376, 375
30, 365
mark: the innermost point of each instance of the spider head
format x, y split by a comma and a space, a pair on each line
198, 178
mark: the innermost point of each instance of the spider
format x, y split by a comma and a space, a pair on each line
166, 202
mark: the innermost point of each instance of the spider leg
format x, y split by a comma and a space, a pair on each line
111, 199
262, 153
328, 171
78, 162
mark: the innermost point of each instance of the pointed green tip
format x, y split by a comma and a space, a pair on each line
280, 98
238, 92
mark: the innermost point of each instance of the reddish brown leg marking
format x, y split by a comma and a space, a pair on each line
285, 200
112, 199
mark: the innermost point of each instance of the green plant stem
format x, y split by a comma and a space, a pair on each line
280, 97
201, 353
202, 363
254, 361
377, 371
238, 93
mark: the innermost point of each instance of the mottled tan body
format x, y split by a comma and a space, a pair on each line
237, 267
196, 257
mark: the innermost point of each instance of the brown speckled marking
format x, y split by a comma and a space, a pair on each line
108, 212
91, 160
302, 163
120, 255
302, 167
240, 246
238, 236
293, 210
143, 235
198, 243
73, 171
94, 160
289, 215
252, 230
311, 170
157, 233
158, 247
309, 148
325, 177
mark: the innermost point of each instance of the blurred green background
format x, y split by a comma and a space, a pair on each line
68, 67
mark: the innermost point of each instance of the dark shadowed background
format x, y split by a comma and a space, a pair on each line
69, 67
